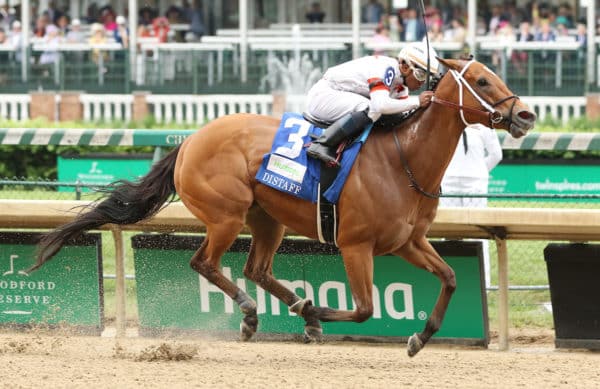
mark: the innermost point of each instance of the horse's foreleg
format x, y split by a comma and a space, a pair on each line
358, 261
420, 253
207, 260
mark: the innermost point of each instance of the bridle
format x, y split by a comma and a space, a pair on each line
489, 110
494, 116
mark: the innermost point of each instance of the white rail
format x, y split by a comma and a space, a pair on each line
14, 107
102, 107
201, 108
560, 108
197, 109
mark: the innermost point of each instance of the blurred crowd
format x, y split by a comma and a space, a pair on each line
506, 22
100, 25
446, 22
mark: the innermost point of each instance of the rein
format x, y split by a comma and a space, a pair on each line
413, 182
490, 112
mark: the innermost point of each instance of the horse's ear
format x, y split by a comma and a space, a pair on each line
448, 63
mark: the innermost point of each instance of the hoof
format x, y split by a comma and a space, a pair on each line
414, 345
313, 334
248, 327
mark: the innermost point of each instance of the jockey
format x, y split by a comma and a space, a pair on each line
356, 93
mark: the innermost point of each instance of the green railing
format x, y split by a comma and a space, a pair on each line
198, 72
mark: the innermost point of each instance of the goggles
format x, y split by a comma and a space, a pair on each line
419, 74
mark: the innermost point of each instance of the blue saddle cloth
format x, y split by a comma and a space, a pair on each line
288, 169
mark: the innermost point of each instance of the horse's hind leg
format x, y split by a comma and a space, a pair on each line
267, 235
207, 261
420, 253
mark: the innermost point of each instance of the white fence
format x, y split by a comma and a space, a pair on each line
14, 107
106, 107
198, 109
559, 108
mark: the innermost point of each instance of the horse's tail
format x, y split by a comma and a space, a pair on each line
124, 202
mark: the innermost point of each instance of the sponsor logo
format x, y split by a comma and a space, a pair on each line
395, 302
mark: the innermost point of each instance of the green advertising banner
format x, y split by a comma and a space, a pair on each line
552, 177
101, 169
67, 290
171, 296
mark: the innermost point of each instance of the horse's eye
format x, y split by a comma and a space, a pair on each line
482, 82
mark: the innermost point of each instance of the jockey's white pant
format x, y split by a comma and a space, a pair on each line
329, 104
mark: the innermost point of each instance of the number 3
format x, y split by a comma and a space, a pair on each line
389, 76
295, 138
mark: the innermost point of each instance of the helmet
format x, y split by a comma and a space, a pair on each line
415, 53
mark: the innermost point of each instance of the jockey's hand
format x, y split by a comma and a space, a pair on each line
425, 98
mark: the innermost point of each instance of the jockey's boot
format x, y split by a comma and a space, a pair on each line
324, 147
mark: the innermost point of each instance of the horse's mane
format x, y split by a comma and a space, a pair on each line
388, 122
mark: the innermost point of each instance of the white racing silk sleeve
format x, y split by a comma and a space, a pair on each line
382, 103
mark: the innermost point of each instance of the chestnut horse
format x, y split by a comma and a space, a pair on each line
385, 207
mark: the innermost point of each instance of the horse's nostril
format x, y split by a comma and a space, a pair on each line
526, 115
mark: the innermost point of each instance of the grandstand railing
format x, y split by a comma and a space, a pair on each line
214, 63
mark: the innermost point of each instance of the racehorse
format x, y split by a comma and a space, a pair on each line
387, 204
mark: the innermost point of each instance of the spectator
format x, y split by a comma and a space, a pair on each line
4, 55
565, 16
519, 57
435, 33
98, 37
143, 31
581, 38
173, 15
380, 38
63, 25
446, 11
75, 35
16, 39
41, 23
121, 33
372, 12
505, 35
160, 27
414, 30
52, 40
108, 19
545, 35
434, 20
196, 20
7, 16
146, 16
315, 14
562, 34
457, 32
53, 12
92, 14
477, 153
495, 20
3, 37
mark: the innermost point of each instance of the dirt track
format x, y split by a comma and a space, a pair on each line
43, 360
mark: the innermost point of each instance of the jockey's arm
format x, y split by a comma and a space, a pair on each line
382, 103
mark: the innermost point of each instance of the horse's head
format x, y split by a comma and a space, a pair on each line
481, 96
